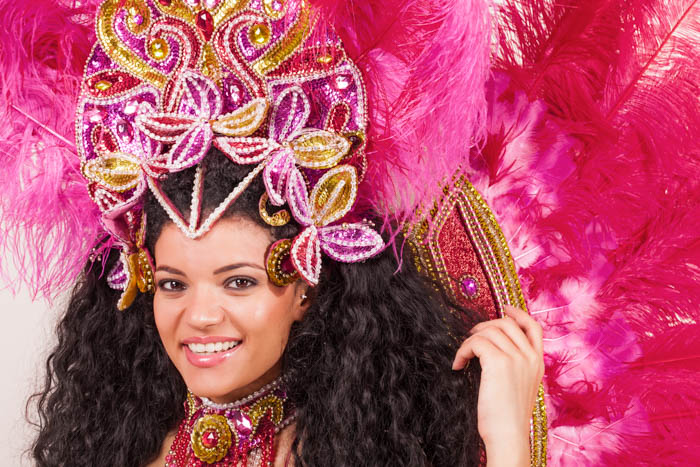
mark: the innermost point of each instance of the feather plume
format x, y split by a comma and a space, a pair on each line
612, 266
425, 66
49, 222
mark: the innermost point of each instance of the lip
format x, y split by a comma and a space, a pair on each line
211, 360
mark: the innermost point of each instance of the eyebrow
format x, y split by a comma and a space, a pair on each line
229, 267
233, 266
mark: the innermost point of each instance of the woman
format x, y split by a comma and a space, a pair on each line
324, 146
367, 356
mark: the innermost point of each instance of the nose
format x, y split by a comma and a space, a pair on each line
203, 309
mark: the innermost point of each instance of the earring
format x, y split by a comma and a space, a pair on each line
303, 297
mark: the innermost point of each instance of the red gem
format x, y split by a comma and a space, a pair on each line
286, 265
210, 438
165, 2
205, 24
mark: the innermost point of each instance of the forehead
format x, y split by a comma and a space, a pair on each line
230, 239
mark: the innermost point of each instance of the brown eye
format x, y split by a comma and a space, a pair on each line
170, 285
240, 283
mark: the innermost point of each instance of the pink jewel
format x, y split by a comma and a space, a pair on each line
137, 19
243, 424
210, 438
125, 131
287, 266
211, 4
276, 5
96, 114
131, 107
165, 2
235, 92
470, 287
192, 2
341, 82
205, 24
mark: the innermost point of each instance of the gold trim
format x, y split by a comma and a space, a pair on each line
497, 263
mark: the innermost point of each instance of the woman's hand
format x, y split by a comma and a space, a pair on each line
510, 353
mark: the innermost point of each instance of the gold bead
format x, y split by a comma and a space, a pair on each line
159, 49
259, 35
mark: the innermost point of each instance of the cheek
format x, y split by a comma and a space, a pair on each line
165, 321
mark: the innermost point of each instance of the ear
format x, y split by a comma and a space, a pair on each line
302, 299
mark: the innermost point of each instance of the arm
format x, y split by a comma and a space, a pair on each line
510, 353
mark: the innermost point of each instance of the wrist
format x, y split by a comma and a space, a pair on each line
508, 453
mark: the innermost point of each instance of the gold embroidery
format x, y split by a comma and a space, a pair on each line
287, 45
120, 52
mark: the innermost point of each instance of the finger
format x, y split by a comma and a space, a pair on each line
511, 328
532, 328
497, 339
475, 346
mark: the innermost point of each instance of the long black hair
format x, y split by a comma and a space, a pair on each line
369, 366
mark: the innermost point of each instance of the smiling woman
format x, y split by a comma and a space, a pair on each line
224, 325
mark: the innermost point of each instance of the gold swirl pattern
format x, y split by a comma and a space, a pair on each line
287, 45
119, 51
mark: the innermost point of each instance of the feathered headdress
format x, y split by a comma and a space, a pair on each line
270, 84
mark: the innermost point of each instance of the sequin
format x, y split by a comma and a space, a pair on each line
274, 8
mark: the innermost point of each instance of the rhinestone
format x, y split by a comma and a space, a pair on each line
341, 82
125, 131
243, 424
235, 92
210, 438
159, 49
211, 4
205, 24
103, 85
96, 114
259, 34
131, 107
192, 3
470, 287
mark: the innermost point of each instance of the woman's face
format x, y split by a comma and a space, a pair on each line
222, 322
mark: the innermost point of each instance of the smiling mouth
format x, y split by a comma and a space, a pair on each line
212, 347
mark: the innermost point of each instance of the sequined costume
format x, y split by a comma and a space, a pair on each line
554, 168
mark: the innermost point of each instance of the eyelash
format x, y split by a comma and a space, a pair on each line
251, 282
163, 285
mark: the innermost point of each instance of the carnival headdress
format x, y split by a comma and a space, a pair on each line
169, 79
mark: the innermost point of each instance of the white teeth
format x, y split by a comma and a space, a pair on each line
212, 347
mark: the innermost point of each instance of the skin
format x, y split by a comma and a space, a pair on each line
195, 296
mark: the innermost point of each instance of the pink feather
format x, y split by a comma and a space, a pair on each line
608, 255
425, 65
49, 221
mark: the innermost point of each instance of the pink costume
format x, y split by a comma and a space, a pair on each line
553, 168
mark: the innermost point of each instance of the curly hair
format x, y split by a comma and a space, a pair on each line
369, 366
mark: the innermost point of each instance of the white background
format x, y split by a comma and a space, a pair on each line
27, 329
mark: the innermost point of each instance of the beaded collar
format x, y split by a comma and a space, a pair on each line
239, 433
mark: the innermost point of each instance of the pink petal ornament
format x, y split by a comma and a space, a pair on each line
306, 255
350, 243
276, 173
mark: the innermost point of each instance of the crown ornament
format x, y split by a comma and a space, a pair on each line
259, 80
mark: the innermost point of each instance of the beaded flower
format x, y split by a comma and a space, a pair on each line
167, 79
